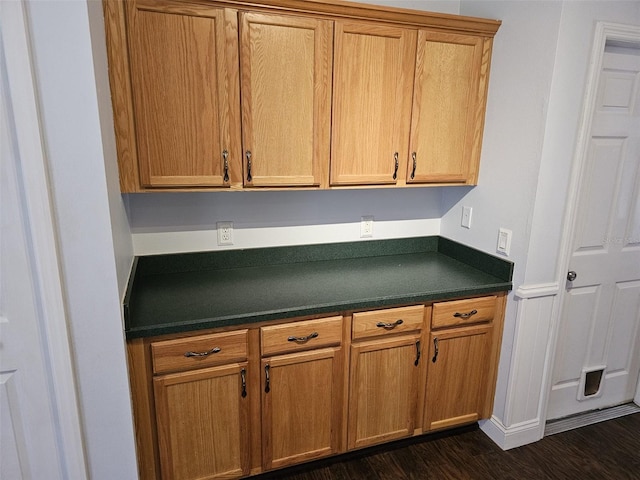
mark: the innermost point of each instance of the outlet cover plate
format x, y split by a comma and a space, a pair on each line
366, 227
225, 233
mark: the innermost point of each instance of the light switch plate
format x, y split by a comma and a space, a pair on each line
466, 217
504, 241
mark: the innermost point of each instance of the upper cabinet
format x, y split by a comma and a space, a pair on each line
373, 79
232, 94
449, 97
183, 70
286, 99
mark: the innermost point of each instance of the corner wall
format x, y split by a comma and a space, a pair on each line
536, 99
95, 245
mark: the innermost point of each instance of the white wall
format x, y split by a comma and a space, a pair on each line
536, 93
178, 222
91, 227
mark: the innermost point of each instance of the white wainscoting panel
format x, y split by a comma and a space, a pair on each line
523, 420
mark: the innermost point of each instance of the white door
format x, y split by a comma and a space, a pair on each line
39, 422
598, 354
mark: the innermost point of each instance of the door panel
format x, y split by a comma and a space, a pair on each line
383, 390
601, 311
373, 75
302, 407
184, 88
286, 99
203, 423
444, 107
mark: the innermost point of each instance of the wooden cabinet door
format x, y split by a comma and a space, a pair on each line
202, 419
301, 406
383, 390
448, 108
457, 377
286, 65
373, 75
184, 80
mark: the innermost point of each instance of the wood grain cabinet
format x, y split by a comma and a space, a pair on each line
236, 402
286, 99
202, 414
302, 391
449, 99
373, 76
179, 124
384, 375
232, 94
462, 362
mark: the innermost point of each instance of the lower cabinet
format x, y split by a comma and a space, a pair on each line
302, 383
383, 390
228, 404
457, 376
202, 419
301, 406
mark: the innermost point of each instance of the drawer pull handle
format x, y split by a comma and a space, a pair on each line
396, 165
417, 353
267, 387
243, 377
435, 348
303, 339
225, 156
390, 326
203, 354
464, 316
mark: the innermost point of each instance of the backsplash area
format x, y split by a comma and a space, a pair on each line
186, 222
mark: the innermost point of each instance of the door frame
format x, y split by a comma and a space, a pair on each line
604, 32
38, 213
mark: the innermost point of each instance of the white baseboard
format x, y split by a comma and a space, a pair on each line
511, 437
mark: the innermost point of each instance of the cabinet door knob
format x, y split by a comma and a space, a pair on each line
415, 164
303, 339
203, 354
225, 157
248, 155
395, 170
389, 326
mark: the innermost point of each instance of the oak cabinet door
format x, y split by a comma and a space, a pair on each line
286, 65
383, 390
184, 80
301, 406
202, 418
373, 76
448, 108
457, 376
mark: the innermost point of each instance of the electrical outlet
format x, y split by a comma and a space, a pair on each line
225, 233
366, 227
466, 217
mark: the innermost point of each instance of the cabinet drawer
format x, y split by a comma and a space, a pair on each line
384, 322
200, 351
297, 336
463, 312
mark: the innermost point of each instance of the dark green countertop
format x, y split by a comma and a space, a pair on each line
185, 292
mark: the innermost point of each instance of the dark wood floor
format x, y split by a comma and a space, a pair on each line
604, 451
